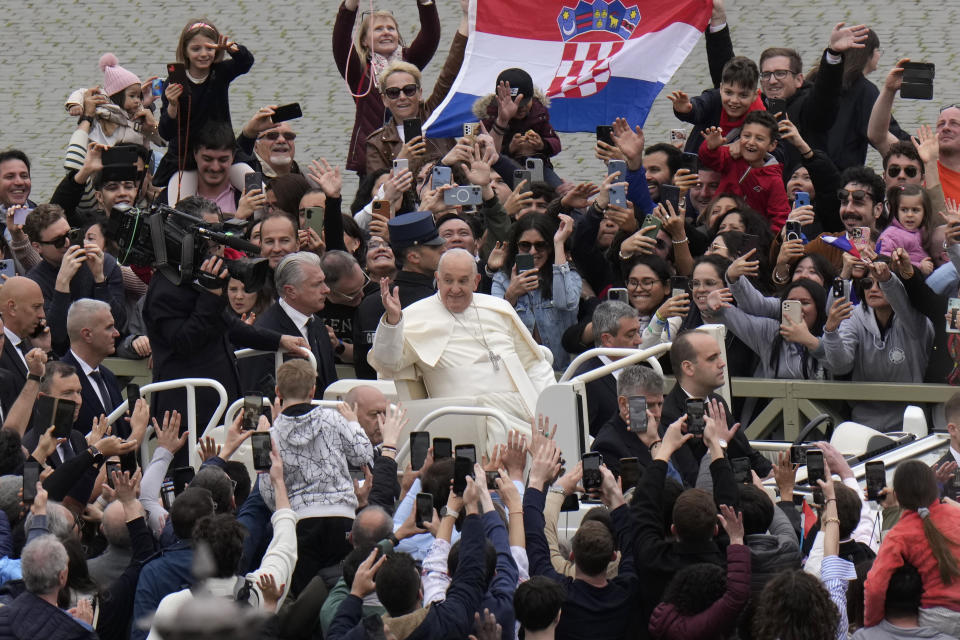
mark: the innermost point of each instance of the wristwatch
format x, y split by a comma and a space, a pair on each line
445, 511
34, 377
98, 457
83, 119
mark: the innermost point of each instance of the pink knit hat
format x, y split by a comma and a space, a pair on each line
115, 77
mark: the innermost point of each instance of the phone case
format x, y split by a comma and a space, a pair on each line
791, 309
953, 311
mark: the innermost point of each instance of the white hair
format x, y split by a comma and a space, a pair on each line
80, 315
450, 254
290, 269
41, 562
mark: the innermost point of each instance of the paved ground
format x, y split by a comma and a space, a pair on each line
53, 47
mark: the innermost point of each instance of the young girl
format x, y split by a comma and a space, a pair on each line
204, 98
910, 226
126, 117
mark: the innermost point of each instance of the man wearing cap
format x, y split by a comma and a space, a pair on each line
463, 344
418, 246
516, 116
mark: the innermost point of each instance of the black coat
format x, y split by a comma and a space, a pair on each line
601, 397
92, 407
28, 617
412, 287
687, 458
613, 442
8, 392
11, 362
192, 336
263, 367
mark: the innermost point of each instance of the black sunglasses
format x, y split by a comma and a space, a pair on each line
59, 242
867, 283
289, 136
909, 170
409, 90
858, 195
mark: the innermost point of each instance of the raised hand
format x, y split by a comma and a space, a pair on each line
732, 522
168, 433
391, 301
926, 144
630, 141
327, 177
719, 299
270, 590
714, 137
348, 411
840, 310
681, 102
507, 106
743, 266
846, 38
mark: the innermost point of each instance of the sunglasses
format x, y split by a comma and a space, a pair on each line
538, 246
867, 283
289, 136
909, 170
59, 242
857, 195
409, 90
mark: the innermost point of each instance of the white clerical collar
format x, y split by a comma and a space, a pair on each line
299, 319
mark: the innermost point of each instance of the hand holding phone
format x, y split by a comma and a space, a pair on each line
592, 478
262, 446
419, 447
696, 420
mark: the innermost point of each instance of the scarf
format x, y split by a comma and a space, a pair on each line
727, 124
380, 62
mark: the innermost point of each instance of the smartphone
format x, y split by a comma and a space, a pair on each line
519, 175
442, 448
618, 195
860, 237
260, 441
535, 167
524, 262
629, 473
424, 509
63, 418
492, 477
253, 180
792, 310
775, 106
678, 285
466, 451
741, 470
167, 494
45, 408
651, 220
462, 467
638, 414
696, 422
176, 73
111, 467
793, 230
133, 394
670, 193
400, 163
876, 474
384, 548
840, 289
801, 199
252, 403
419, 446
381, 207
471, 129
463, 196
156, 87
592, 479
815, 469
605, 134
182, 476
798, 454
690, 162
286, 112
678, 138
31, 476
618, 293
314, 217
411, 129
441, 175
917, 81
617, 165
7, 268
20, 215
953, 308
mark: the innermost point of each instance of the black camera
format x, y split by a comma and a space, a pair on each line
176, 244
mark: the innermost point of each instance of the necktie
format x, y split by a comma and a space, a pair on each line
96, 376
24, 347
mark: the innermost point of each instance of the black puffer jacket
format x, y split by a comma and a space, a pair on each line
30, 618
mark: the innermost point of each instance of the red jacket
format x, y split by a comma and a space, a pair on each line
719, 619
906, 543
762, 187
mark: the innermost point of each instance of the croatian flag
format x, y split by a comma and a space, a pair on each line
595, 61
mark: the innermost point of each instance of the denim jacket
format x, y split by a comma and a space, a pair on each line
550, 317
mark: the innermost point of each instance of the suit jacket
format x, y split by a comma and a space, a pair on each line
92, 407
601, 397
8, 392
77, 442
613, 442
10, 361
263, 367
687, 458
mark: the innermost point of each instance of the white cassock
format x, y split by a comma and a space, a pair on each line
452, 353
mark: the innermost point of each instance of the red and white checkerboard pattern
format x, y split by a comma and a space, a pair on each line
584, 69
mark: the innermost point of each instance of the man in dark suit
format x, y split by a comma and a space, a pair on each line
615, 324
617, 438
93, 335
60, 381
418, 246
698, 364
21, 304
303, 291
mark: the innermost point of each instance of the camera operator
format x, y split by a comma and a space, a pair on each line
193, 335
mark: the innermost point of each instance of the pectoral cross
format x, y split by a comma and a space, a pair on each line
494, 359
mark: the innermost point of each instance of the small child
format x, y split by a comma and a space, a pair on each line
125, 118
910, 225
726, 107
747, 167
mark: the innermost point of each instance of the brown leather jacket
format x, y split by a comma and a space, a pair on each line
384, 144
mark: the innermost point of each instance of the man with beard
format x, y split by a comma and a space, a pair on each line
270, 146
213, 152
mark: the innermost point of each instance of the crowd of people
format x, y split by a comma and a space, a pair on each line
470, 265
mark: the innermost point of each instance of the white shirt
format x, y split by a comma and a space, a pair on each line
615, 373
955, 454
15, 340
87, 370
299, 319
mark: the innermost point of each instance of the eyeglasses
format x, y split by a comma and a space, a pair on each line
867, 283
857, 195
377, 243
353, 294
289, 136
646, 283
537, 246
59, 242
696, 284
909, 170
409, 90
779, 74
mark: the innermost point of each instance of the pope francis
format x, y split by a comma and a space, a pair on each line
463, 344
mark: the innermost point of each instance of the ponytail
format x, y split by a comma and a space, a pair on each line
941, 547
916, 487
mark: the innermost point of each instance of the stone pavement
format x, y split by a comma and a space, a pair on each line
52, 48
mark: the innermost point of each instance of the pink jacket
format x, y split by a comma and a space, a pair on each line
895, 236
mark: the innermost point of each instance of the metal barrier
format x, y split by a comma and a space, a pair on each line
190, 385
454, 410
627, 357
278, 356
231, 413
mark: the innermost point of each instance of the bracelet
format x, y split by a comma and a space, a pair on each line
83, 119
829, 500
516, 513
659, 318
387, 447
497, 128
684, 241
558, 490
652, 445
623, 257
827, 521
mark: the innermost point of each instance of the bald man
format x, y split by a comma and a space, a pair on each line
21, 305
371, 404
108, 566
463, 344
